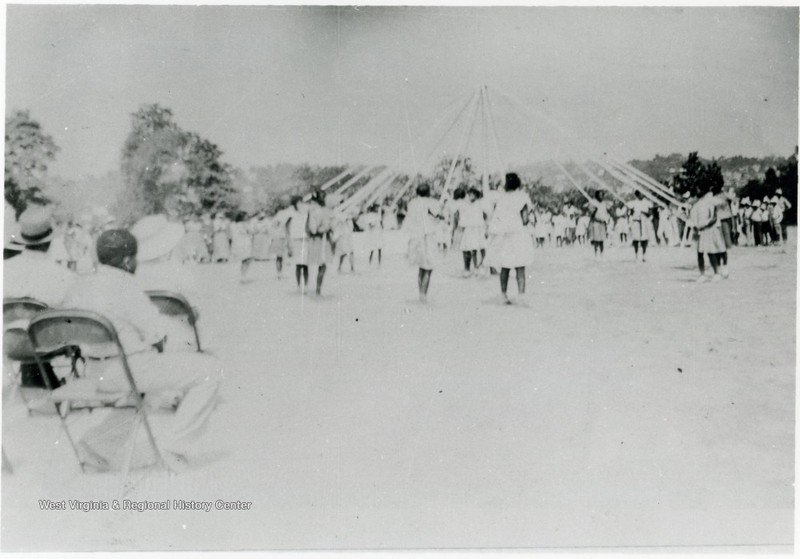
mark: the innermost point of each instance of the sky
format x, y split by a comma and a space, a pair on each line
381, 85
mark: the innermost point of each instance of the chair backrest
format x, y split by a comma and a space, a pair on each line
54, 329
16, 345
174, 304
22, 307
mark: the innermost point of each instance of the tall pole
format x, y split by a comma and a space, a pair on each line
459, 147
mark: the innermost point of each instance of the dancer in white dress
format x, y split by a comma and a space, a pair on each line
512, 244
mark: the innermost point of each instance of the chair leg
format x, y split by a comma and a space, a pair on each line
7, 467
62, 416
126, 468
151, 438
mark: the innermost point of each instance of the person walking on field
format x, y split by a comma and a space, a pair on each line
511, 245
297, 236
709, 235
598, 224
421, 224
641, 227
469, 217
319, 226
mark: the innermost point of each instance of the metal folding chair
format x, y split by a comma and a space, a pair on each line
17, 348
52, 330
174, 304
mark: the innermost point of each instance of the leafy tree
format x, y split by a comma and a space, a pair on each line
167, 169
28, 152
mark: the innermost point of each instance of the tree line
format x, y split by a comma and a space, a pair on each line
167, 169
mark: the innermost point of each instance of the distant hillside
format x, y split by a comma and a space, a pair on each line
736, 170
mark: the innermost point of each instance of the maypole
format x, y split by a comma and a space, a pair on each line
412, 177
492, 128
460, 147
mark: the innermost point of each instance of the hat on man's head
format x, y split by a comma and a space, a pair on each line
745, 201
156, 236
34, 227
757, 203
779, 191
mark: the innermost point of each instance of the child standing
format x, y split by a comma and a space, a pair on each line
421, 225
512, 244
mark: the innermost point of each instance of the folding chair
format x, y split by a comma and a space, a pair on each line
52, 330
174, 304
17, 347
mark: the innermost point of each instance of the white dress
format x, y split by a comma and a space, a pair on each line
511, 245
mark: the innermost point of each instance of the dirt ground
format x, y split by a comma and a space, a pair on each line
626, 407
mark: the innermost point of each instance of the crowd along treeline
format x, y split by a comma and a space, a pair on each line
164, 168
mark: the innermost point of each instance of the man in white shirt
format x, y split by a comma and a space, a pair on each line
32, 273
114, 292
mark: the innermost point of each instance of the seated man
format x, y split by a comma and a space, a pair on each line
31, 273
114, 293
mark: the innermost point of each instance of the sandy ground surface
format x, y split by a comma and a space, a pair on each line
628, 406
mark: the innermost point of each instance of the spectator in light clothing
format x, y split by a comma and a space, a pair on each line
114, 292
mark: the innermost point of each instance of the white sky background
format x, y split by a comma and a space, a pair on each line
339, 84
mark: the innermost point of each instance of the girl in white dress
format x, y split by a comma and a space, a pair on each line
469, 217
371, 224
242, 244
512, 245
421, 224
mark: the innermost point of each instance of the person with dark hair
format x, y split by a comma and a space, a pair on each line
470, 219
242, 244
703, 217
222, 238
371, 222
279, 240
511, 245
598, 223
113, 293
342, 234
421, 226
319, 227
641, 227
297, 236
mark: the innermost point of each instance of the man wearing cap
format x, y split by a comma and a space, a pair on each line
114, 293
32, 273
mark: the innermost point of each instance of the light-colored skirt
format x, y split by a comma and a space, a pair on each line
300, 251
641, 230
261, 246
319, 250
473, 238
222, 246
510, 250
424, 252
242, 247
597, 231
344, 244
278, 247
710, 241
194, 247
374, 239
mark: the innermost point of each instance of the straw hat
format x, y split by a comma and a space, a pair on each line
34, 227
757, 204
745, 201
156, 236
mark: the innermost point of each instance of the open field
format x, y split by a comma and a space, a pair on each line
627, 406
